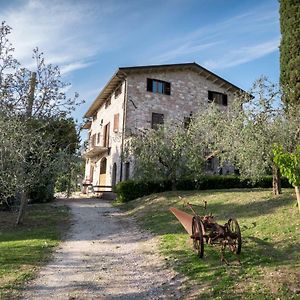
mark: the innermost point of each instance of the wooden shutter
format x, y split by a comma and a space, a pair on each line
149, 85
93, 141
116, 123
106, 135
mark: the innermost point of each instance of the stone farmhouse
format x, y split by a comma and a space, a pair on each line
143, 97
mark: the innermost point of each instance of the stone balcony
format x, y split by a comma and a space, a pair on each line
94, 151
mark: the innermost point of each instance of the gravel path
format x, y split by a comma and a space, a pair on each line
105, 256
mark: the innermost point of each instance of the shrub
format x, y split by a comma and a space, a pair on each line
42, 193
130, 189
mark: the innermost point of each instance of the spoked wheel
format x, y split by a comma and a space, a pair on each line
197, 232
235, 235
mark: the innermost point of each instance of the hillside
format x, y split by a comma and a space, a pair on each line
270, 258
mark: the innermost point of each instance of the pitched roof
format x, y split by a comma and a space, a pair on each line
122, 72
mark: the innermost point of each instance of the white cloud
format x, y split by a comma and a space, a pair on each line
181, 51
64, 30
244, 54
224, 43
67, 68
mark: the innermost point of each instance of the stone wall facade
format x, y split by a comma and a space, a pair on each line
189, 93
105, 114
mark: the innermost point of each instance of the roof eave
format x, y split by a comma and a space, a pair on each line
111, 85
122, 72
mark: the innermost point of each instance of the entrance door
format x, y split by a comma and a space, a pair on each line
102, 177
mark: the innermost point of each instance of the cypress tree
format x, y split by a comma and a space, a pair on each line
290, 49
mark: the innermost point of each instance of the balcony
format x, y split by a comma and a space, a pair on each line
94, 151
97, 147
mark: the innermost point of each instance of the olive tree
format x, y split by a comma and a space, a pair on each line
31, 100
164, 153
244, 133
289, 165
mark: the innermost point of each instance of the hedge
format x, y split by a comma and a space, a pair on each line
131, 189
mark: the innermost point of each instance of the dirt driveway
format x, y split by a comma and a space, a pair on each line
105, 256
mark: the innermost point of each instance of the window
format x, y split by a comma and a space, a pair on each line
217, 98
127, 171
187, 121
118, 91
158, 86
157, 119
116, 123
98, 138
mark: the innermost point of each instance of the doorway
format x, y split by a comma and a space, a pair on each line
102, 177
114, 175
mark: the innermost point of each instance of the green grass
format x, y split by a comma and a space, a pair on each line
270, 258
24, 248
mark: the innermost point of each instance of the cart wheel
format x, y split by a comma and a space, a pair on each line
197, 232
235, 234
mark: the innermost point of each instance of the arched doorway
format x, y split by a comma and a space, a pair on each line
102, 177
114, 175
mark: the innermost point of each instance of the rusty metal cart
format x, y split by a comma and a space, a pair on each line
204, 229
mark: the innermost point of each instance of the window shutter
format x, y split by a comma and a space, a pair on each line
224, 100
104, 136
116, 123
149, 85
168, 88
107, 134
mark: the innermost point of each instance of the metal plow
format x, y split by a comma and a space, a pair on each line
204, 229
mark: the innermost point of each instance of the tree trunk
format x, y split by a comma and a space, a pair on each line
28, 115
30, 99
22, 208
297, 189
69, 182
276, 181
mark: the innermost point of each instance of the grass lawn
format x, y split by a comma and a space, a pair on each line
270, 258
24, 248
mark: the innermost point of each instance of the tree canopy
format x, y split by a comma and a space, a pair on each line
290, 49
37, 131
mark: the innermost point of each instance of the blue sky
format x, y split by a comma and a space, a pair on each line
90, 39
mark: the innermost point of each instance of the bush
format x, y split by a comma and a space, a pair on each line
42, 193
130, 189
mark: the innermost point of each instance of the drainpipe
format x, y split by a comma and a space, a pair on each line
123, 129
